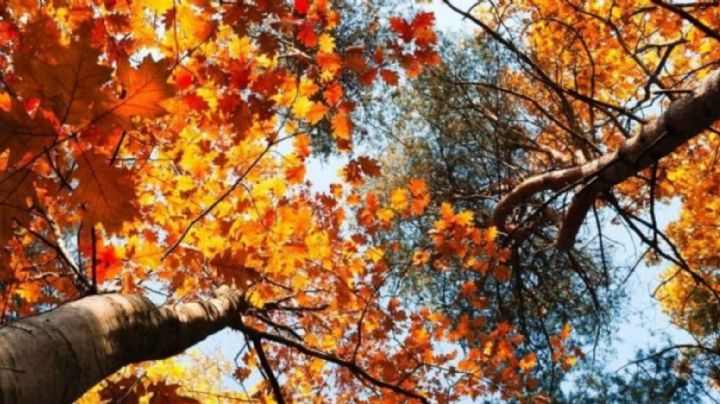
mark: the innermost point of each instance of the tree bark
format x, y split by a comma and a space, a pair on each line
55, 357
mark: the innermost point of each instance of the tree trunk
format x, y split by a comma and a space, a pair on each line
55, 357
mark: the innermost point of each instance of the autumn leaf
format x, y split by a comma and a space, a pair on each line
390, 77
105, 193
302, 6
24, 136
362, 166
232, 269
342, 126
301, 143
143, 89
68, 79
107, 262
399, 199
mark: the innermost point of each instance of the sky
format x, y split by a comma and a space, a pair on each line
645, 320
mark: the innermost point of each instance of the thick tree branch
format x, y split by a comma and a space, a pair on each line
55, 357
684, 119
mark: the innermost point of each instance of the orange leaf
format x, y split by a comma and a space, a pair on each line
105, 193
389, 76
341, 126
143, 91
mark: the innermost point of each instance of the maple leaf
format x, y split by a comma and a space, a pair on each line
399, 199
107, 263
362, 166
67, 79
301, 143
402, 28
326, 43
105, 193
22, 135
232, 269
17, 190
389, 76
302, 6
333, 94
307, 36
342, 126
418, 187
163, 392
294, 172
143, 91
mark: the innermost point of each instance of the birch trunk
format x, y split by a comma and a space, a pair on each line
55, 357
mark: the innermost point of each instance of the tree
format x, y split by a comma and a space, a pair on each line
143, 150
625, 94
465, 141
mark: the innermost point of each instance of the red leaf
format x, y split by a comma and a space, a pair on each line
195, 102
402, 28
183, 79
389, 76
302, 6
307, 36
423, 20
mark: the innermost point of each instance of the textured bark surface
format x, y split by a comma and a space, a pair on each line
55, 357
683, 120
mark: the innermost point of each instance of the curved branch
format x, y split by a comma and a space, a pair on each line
349, 365
684, 119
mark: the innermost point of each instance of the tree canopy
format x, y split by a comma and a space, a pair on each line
155, 189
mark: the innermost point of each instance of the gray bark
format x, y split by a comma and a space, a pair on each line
55, 357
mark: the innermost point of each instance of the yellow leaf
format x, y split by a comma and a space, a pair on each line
240, 48
375, 254
327, 43
528, 362
301, 107
399, 199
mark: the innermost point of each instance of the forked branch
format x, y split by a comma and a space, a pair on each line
686, 118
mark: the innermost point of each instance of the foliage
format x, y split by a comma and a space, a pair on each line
465, 142
189, 378
162, 148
